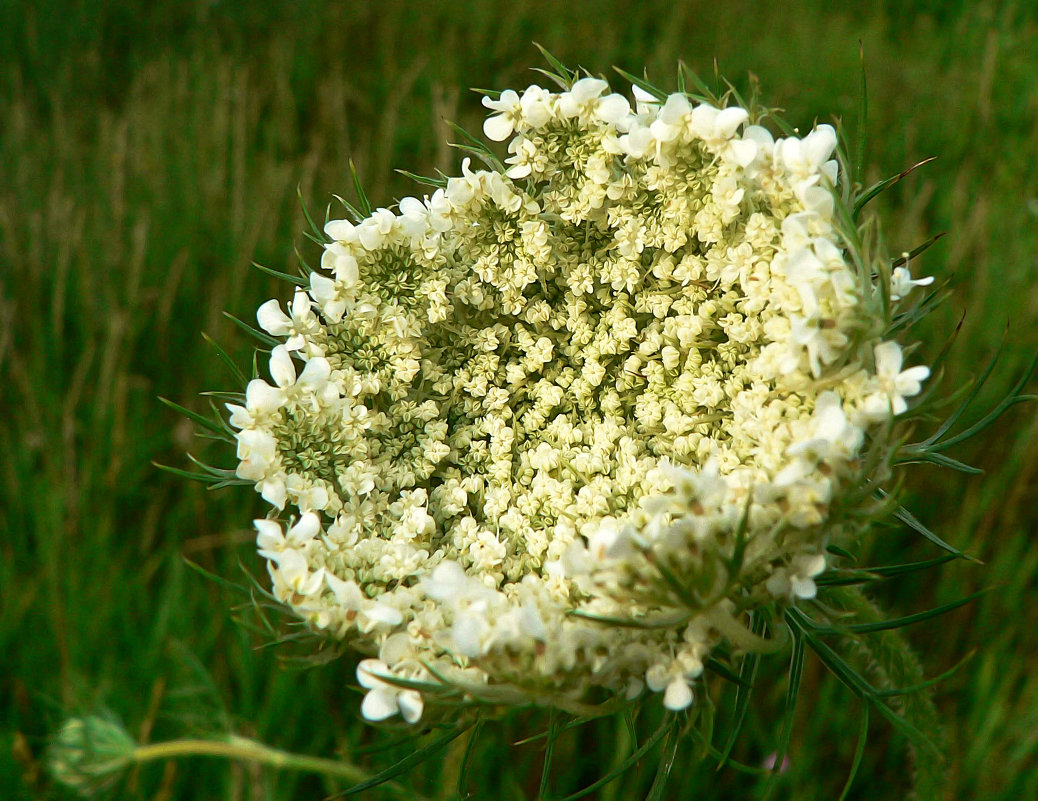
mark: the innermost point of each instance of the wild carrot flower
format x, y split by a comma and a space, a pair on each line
563, 424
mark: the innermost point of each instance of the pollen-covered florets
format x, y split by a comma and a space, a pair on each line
562, 426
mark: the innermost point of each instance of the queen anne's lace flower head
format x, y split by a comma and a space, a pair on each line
562, 427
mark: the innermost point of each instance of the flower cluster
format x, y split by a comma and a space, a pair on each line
561, 426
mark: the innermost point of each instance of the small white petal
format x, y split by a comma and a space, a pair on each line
379, 704
272, 320
305, 529
382, 613
744, 151
268, 535
262, 398
274, 492
281, 368
498, 128
315, 374
370, 671
411, 705
340, 230
888, 359
613, 108
729, 120
678, 695
803, 587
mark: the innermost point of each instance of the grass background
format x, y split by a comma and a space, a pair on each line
150, 151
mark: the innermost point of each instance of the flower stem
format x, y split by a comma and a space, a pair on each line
242, 748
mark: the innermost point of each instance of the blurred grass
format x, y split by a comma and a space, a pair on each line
150, 151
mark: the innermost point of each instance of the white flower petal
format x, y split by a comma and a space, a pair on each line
281, 368
411, 705
305, 529
315, 375
678, 695
268, 535
379, 703
498, 128
272, 320
370, 671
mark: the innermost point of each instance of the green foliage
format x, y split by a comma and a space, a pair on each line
149, 153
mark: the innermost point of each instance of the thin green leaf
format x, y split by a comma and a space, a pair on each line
195, 417
358, 189
239, 376
549, 752
665, 764
796, 669
939, 459
925, 685
404, 764
353, 211
889, 571
317, 234
292, 279
563, 76
910, 520
176, 471
841, 578
470, 748
722, 670
626, 765
859, 751
220, 580
1012, 398
481, 153
854, 681
697, 82
863, 116
731, 763
656, 622
227, 397
967, 401
881, 186
562, 83
643, 84
218, 472
838, 551
902, 260
747, 675
898, 622
679, 589
438, 183
262, 336
230, 482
